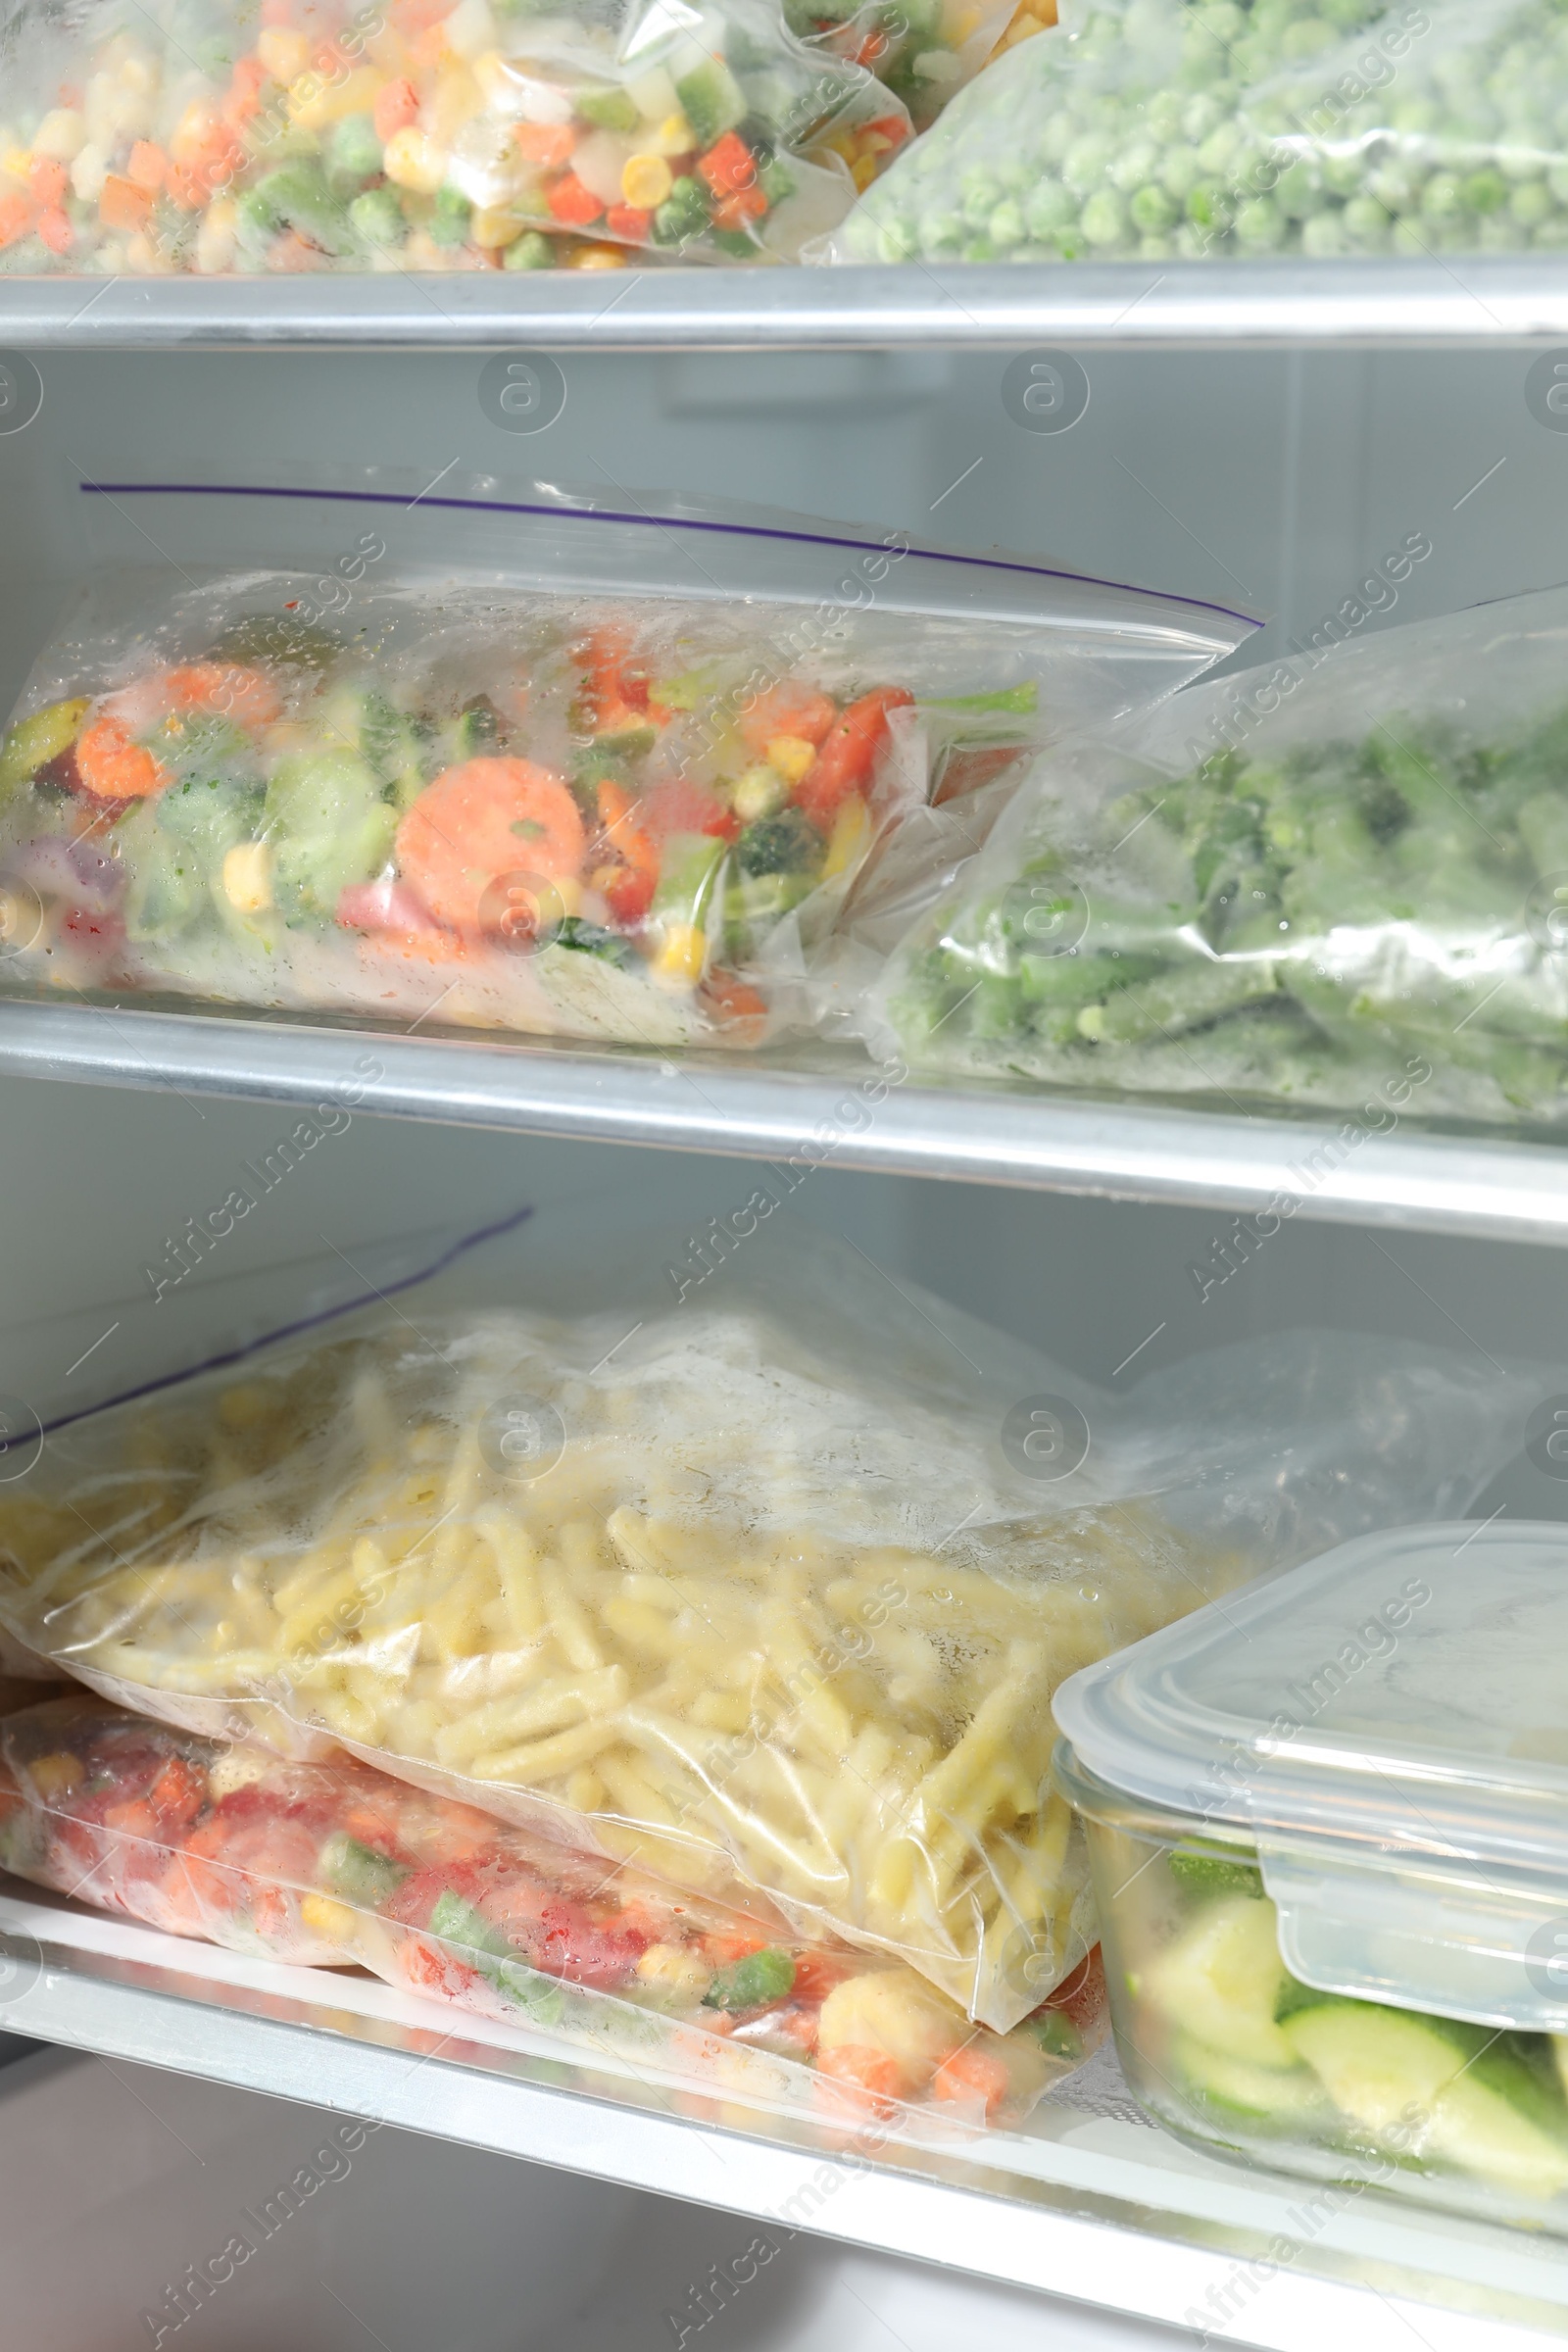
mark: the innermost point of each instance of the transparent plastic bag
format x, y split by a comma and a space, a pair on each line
332, 1864
398, 136
1340, 882
1187, 130
555, 794
769, 1588
922, 50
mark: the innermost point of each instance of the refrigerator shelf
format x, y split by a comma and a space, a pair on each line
833, 1108
1458, 301
1089, 2203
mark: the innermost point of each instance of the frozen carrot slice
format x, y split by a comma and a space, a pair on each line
481, 820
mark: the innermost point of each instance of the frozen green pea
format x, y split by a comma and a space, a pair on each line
1134, 166
1552, 235
1049, 208
1441, 199
1342, 175
1397, 187
1181, 172
1413, 117
1219, 149
1410, 236
1322, 237
1531, 203
1152, 210
1557, 183
1298, 189
1104, 219
1156, 249
1208, 207
1484, 192
1084, 164
1164, 115
1365, 225
377, 218
1200, 117
1056, 138
1260, 226
980, 201
1005, 226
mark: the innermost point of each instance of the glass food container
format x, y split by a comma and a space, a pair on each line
1327, 1825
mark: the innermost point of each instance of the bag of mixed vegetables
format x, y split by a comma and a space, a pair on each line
332, 1864
765, 1591
1189, 129
537, 806
922, 50
406, 136
1313, 884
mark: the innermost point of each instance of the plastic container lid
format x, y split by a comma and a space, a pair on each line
1389, 1723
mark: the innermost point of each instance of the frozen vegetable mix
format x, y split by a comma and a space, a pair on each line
1336, 880
333, 1864
1304, 1967
1191, 129
548, 808
194, 136
758, 1586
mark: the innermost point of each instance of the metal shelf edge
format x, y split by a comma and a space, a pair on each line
844, 1115
1126, 2264
1459, 299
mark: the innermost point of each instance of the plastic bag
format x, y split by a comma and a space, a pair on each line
769, 1588
1166, 131
184, 137
1339, 881
334, 1865
523, 798
922, 50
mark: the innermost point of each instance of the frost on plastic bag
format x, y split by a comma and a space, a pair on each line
1163, 130
521, 801
187, 138
752, 1591
1340, 882
332, 1864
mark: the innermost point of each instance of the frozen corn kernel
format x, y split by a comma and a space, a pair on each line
646, 181
849, 839
315, 101
334, 1923
240, 1768
674, 136
216, 239
493, 226
598, 256
674, 1973
248, 877
89, 171
16, 164
414, 161
863, 171
62, 134
790, 755
758, 792
55, 1777
683, 955
457, 99
285, 52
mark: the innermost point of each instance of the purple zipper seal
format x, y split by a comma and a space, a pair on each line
652, 523
292, 1330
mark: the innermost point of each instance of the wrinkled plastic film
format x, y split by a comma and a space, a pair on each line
1335, 883
330, 1865
510, 799
749, 1591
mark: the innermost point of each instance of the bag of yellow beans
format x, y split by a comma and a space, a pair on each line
766, 1590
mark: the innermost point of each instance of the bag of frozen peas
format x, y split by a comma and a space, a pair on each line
1193, 129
